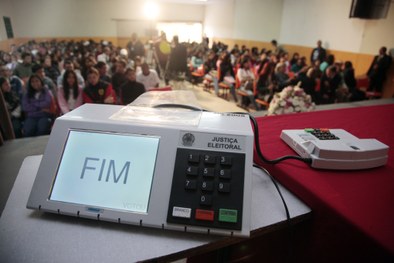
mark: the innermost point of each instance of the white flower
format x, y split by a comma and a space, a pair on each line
291, 99
289, 110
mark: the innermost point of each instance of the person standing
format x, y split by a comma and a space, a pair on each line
378, 70
278, 50
178, 58
135, 47
318, 53
162, 54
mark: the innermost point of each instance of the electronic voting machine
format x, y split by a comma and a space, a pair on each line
336, 148
165, 168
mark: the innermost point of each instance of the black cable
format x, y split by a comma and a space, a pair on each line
258, 149
290, 239
256, 134
275, 161
277, 188
261, 156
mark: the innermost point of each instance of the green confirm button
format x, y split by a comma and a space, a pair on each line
228, 215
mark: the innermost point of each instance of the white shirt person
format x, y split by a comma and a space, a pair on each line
148, 77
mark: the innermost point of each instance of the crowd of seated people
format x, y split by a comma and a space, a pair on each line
323, 78
41, 81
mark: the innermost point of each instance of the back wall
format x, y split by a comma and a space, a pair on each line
295, 24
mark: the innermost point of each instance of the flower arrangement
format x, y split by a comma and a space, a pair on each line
291, 99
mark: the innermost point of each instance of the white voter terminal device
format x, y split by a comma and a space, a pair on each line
336, 148
165, 168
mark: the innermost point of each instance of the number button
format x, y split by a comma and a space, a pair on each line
208, 172
224, 187
206, 200
190, 185
193, 158
225, 173
225, 160
209, 159
207, 186
192, 170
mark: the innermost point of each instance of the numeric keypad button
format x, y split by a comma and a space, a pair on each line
208, 172
224, 187
206, 200
225, 160
193, 158
225, 173
207, 186
190, 185
192, 170
209, 159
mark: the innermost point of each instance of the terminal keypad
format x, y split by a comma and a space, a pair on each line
209, 186
322, 134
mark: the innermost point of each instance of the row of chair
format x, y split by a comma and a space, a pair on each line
224, 88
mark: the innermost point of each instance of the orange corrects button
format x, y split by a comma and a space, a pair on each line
206, 215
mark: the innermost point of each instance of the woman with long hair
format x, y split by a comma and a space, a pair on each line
246, 78
69, 93
36, 104
227, 75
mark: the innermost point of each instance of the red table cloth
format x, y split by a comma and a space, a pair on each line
353, 210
